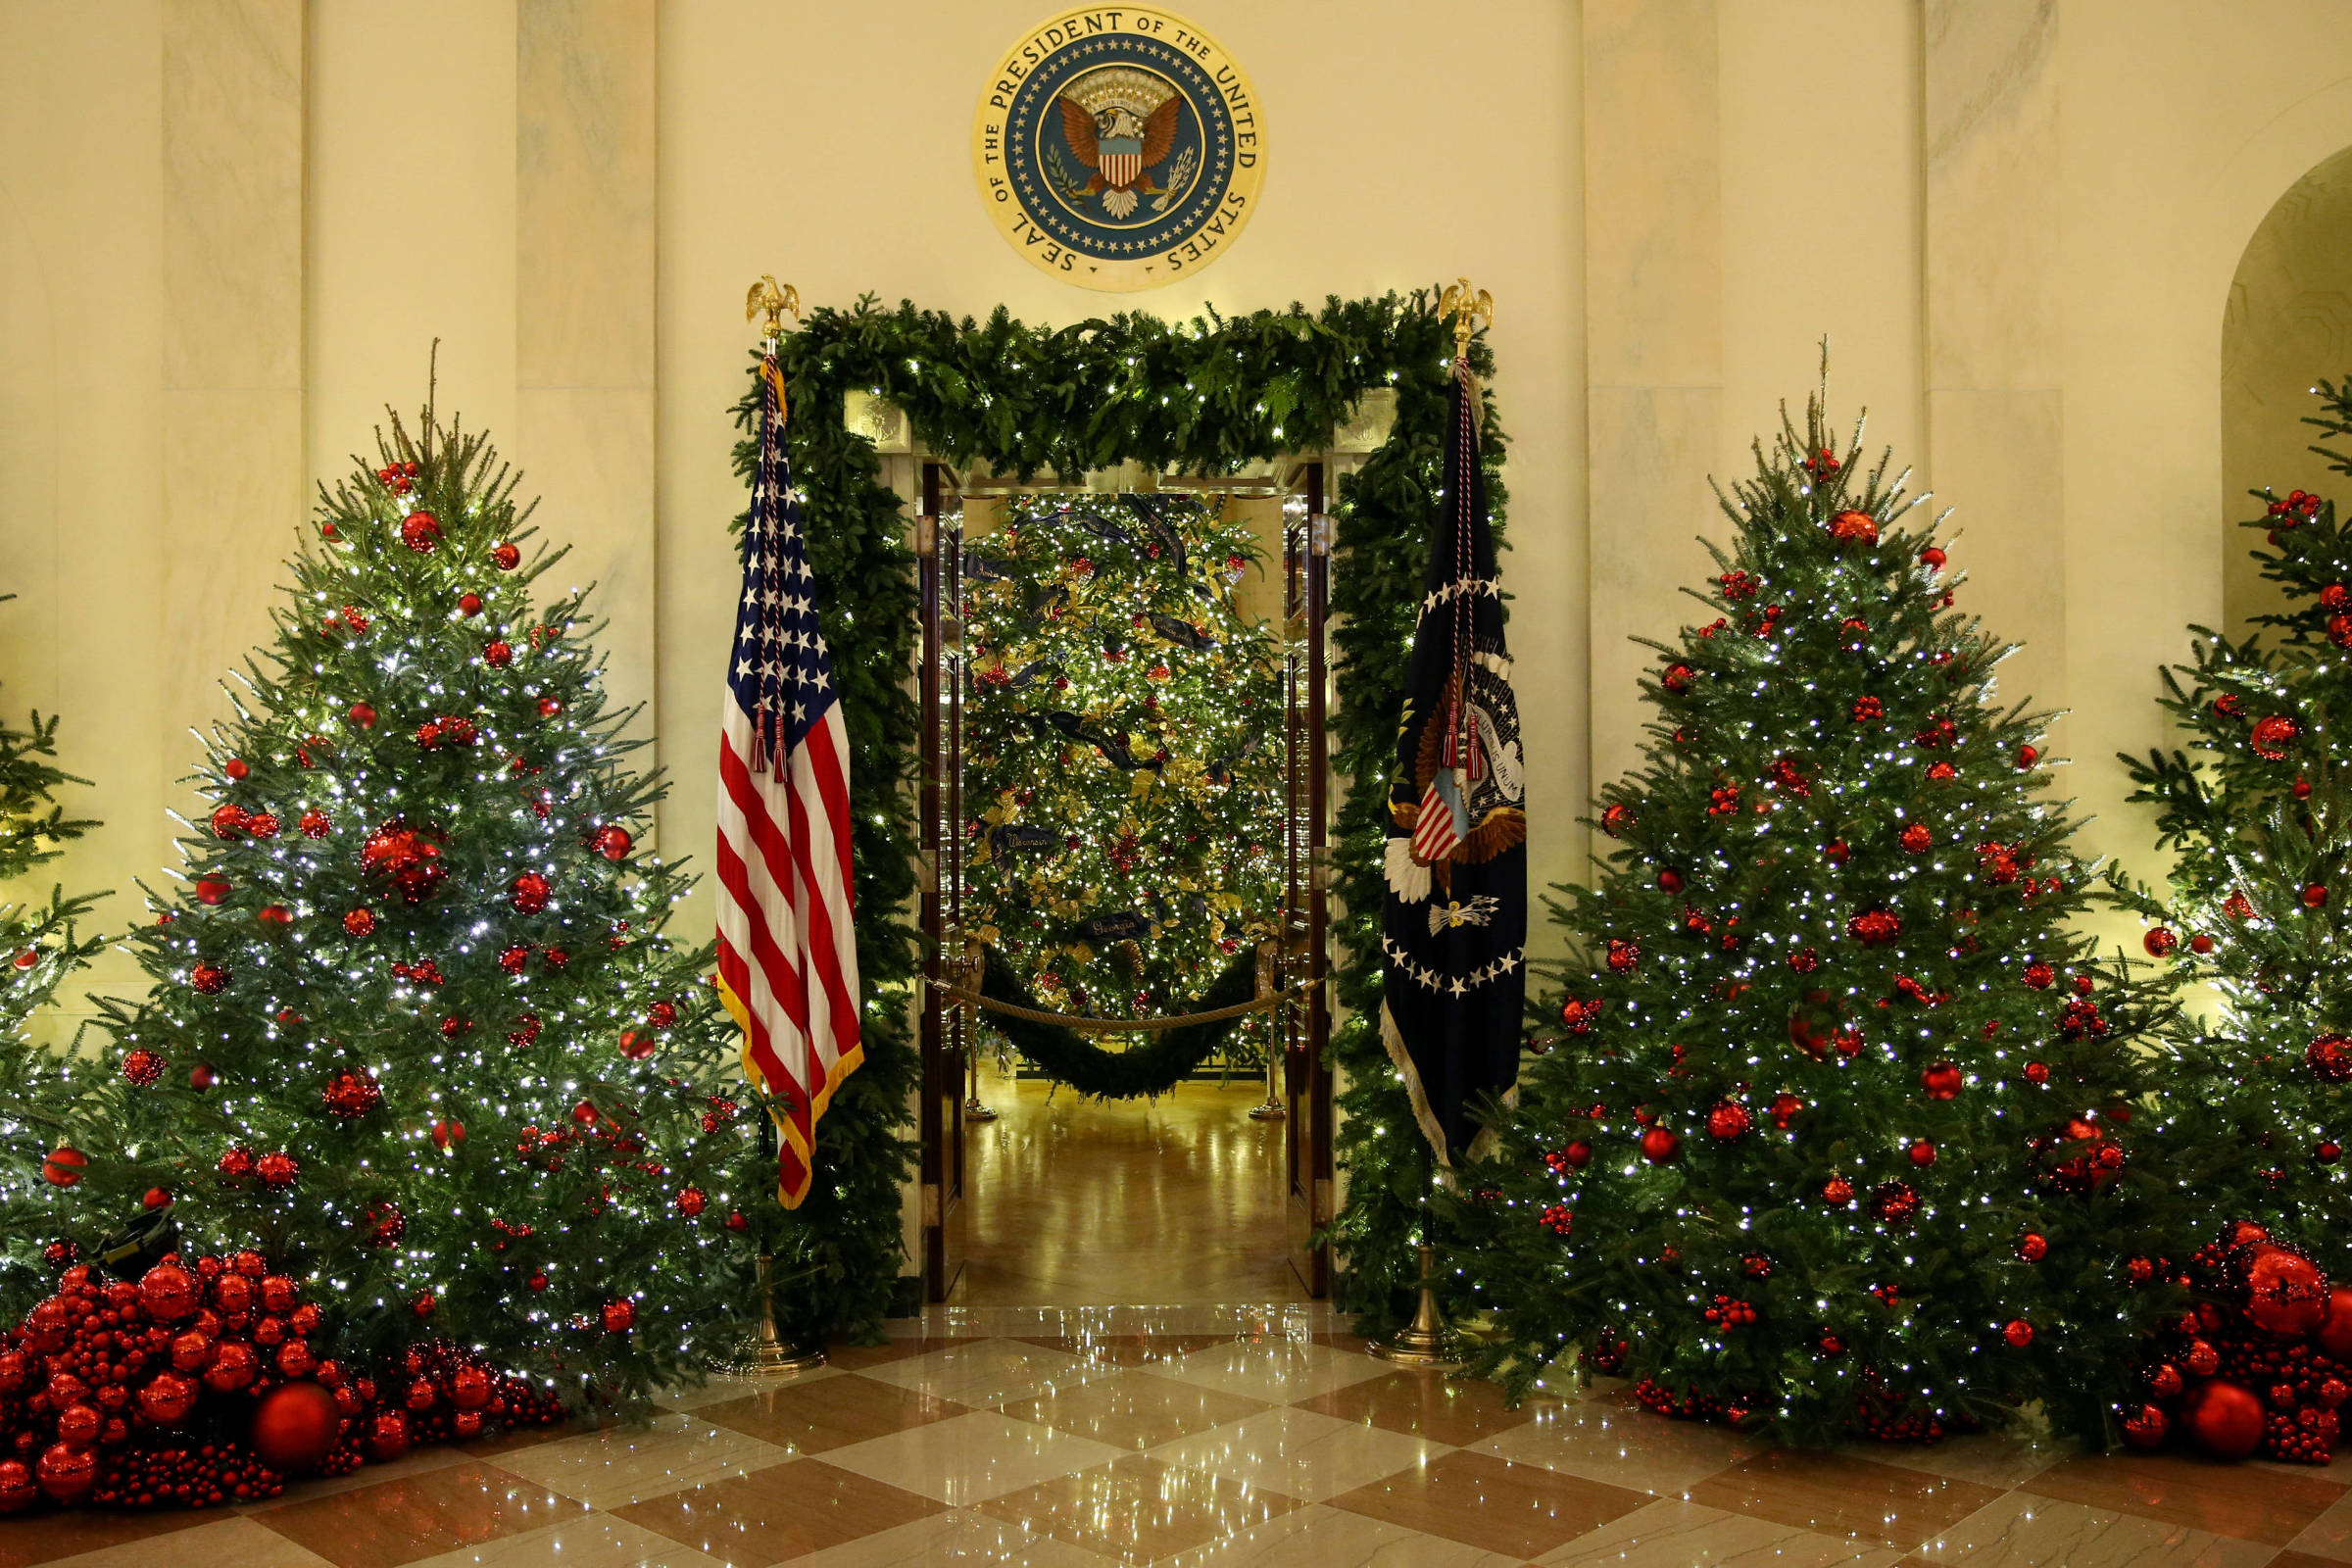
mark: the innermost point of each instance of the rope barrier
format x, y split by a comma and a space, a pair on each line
1125, 1026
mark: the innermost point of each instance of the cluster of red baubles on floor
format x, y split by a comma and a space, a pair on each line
198, 1385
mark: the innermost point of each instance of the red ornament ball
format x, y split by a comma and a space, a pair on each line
277, 1170
168, 1397
2330, 1058
2315, 896
661, 1015
142, 1066
1623, 955
2145, 1427
1931, 558
211, 890
2032, 1246
470, 605
638, 1044
529, 893
2226, 1420
2286, 1295
420, 531
690, 1201
448, 1132
1917, 839
1729, 1121
1658, 1145
1941, 1081
2271, 736
169, 1293
385, 1223
62, 1167
1854, 528
387, 1436
612, 842
1784, 1110
66, 1473
1837, 1192
512, 960
228, 821
498, 654
156, 1197
352, 1095
233, 1366
2027, 756
2038, 1073
549, 707
2018, 1333
17, 1491
506, 556
209, 980
619, 1316
2335, 1333
1922, 1152
315, 824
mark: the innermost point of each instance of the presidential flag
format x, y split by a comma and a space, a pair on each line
1453, 935
787, 940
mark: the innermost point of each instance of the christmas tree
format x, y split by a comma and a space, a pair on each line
415, 1033
1831, 1136
2259, 813
1124, 775
39, 941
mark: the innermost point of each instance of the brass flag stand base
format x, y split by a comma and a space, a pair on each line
764, 1356
1270, 1109
1426, 1341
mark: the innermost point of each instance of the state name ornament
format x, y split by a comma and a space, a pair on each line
1119, 148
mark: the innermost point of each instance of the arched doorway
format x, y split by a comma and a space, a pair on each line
2289, 322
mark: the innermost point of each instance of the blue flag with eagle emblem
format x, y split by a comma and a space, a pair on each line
1454, 937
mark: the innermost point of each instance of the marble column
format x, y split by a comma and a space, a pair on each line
1653, 298
584, 307
1997, 417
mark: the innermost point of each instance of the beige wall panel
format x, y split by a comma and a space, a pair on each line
591, 454
2008, 532
1653, 302
584, 307
81, 206
411, 223
1996, 199
232, 141
232, 181
1820, 224
1652, 193
584, 194
1650, 453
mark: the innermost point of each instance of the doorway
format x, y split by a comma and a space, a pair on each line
1215, 1189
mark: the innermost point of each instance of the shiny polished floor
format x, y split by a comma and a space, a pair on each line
1016, 1424
1087, 1203
1215, 1438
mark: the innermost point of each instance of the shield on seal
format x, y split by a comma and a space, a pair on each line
1122, 160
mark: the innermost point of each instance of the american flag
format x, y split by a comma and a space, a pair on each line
787, 940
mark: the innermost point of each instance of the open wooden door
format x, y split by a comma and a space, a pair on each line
1306, 1028
946, 1031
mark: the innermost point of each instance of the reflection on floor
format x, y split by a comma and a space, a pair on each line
1187, 1439
1086, 1202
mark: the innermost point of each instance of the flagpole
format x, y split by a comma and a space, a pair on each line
1428, 1341
763, 1355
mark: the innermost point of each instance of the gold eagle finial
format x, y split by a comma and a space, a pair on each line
1469, 310
773, 298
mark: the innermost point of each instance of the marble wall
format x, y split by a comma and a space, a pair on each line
231, 229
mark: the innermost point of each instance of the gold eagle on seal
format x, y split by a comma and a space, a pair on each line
1120, 126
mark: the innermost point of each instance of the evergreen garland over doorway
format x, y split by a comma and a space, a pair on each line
1203, 396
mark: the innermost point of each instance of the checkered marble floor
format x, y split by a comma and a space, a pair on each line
1212, 1438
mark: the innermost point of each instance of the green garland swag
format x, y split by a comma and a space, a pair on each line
1166, 1059
1203, 396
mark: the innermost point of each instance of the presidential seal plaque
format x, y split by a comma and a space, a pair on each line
1119, 148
